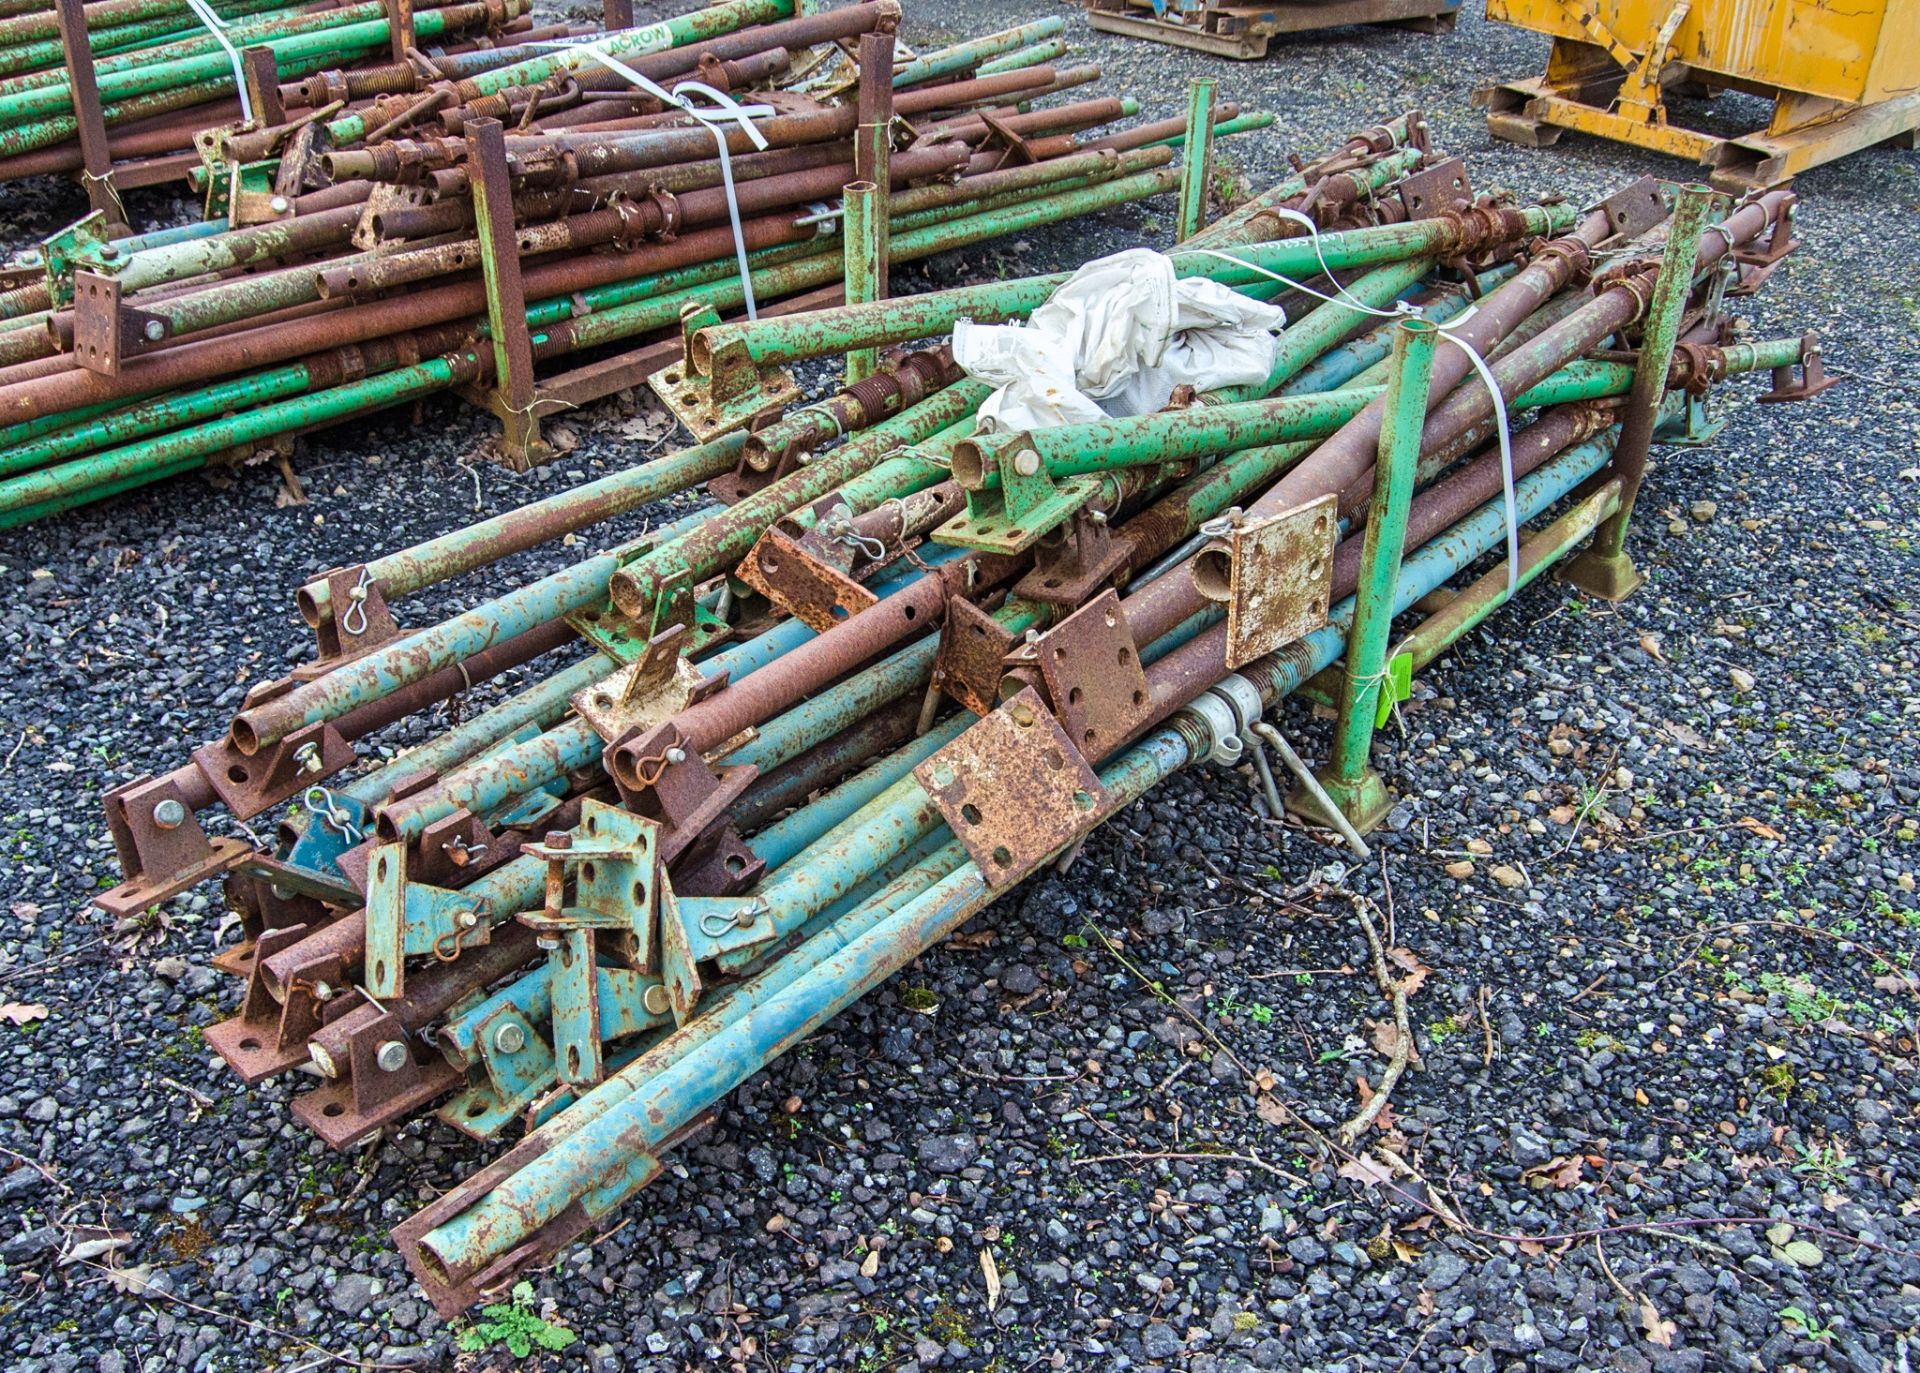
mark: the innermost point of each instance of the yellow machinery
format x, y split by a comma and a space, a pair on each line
1240, 30
1842, 76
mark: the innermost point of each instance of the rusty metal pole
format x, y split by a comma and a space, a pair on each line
513, 395
1605, 570
1196, 172
866, 241
263, 88
96, 158
400, 28
616, 14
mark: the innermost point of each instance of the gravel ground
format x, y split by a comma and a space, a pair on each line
1649, 870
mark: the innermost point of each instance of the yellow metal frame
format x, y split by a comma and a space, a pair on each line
1837, 87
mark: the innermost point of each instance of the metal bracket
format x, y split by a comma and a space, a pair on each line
1810, 382
407, 918
1013, 789
696, 931
813, 592
517, 1064
1759, 261
1632, 210
70, 248
654, 688
1281, 581
104, 331
354, 598
242, 192
624, 641
253, 784
161, 846
1092, 673
268, 1036
1073, 560
1437, 190
616, 885
971, 658
1017, 150
731, 398
387, 1075
661, 777
1027, 503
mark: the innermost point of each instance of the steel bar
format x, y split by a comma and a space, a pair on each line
1350, 779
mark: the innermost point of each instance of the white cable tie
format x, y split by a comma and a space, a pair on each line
217, 26
723, 111
1406, 309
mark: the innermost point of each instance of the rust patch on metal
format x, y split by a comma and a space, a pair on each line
1438, 189
1282, 579
817, 595
1092, 672
973, 648
1632, 210
1013, 789
253, 784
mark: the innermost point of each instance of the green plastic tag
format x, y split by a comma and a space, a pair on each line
1396, 687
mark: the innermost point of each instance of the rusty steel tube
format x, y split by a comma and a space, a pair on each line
1447, 502
430, 992
254, 348
626, 219
800, 671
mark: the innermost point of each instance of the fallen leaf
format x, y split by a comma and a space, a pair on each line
22, 1012
26, 910
991, 1272
1561, 1173
1893, 982
1686, 735
1650, 646
649, 425
1747, 822
1416, 971
134, 1282
1386, 1119
1658, 1330
1563, 815
1364, 1170
1269, 1109
1425, 1303
102, 1242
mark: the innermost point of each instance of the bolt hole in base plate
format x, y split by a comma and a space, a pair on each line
1019, 774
